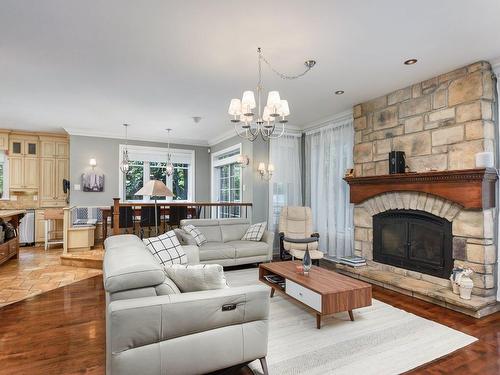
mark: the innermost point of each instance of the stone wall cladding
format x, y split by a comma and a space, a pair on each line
440, 123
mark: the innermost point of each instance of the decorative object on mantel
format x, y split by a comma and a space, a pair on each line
466, 283
484, 160
397, 162
170, 167
125, 162
471, 188
155, 188
349, 172
265, 174
249, 125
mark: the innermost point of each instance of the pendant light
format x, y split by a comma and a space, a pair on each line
125, 163
170, 166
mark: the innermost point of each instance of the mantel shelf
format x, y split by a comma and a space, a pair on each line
470, 188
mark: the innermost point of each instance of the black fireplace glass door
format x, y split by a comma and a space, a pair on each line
426, 243
393, 236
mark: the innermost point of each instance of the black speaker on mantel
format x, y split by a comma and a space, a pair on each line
397, 162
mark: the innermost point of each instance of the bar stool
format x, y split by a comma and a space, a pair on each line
50, 216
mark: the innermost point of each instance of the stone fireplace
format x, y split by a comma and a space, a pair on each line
413, 228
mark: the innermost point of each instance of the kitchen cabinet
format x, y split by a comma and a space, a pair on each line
23, 172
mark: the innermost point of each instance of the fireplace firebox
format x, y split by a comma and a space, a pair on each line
413, 240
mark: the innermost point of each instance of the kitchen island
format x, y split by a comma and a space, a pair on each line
9, 248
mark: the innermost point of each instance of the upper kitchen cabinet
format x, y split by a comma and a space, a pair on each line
23, 145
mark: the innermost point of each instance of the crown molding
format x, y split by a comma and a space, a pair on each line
179, 141
342, 116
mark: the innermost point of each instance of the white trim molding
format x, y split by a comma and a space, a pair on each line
179, 141
342, 116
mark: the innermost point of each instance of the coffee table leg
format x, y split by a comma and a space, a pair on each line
351, 315
318, 321
272, 292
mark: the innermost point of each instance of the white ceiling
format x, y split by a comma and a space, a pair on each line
90, 66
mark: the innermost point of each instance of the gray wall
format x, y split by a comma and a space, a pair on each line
106, 152
255, 189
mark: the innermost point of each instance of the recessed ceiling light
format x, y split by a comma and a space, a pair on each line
410, 62
339, 92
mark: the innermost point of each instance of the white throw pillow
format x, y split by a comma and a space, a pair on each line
255, 232
194, 278
166, 249
195, 232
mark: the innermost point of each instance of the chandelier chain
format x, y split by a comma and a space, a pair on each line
282, 75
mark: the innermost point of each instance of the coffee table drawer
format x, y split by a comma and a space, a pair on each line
304, 295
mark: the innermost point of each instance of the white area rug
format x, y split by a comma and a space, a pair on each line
382, 339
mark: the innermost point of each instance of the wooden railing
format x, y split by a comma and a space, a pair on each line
190, 210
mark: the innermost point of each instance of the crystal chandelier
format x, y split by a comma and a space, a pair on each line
269, 122
125, 163
170, 166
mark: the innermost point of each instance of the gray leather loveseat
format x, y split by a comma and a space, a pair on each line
224, 245
150, 331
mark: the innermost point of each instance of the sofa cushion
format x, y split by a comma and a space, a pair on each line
249, 248
216, 250
255, 232
128, 264
197, 277
198, 236
166, 248
167, 287
233, 229
209, 227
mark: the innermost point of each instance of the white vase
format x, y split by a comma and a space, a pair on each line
466, 285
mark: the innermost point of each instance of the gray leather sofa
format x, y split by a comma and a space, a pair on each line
224, 244
152, 332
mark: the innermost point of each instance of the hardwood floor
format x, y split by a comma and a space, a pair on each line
62, 332
37, 271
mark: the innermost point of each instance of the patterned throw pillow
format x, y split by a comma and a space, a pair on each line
255, 232
195, 232
166, 249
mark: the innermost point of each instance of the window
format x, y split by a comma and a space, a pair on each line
4, 176
150, 163
226, 180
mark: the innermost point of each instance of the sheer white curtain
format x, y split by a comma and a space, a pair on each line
285, 187
328, 153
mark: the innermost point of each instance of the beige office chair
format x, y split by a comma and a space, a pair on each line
296, 234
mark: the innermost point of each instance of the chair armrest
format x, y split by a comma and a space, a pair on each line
315, 234
268, 237
300, 240
184, 237
143, 321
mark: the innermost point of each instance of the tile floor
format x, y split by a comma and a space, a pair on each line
35, 272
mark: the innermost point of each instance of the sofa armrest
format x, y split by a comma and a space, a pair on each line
268, 237
143, 321
184, 237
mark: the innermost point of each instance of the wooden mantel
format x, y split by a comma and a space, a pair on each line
470, 188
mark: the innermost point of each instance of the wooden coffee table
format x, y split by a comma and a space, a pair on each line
326, 292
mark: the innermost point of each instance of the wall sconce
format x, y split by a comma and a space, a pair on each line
243, 160
266, 174
93, 163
